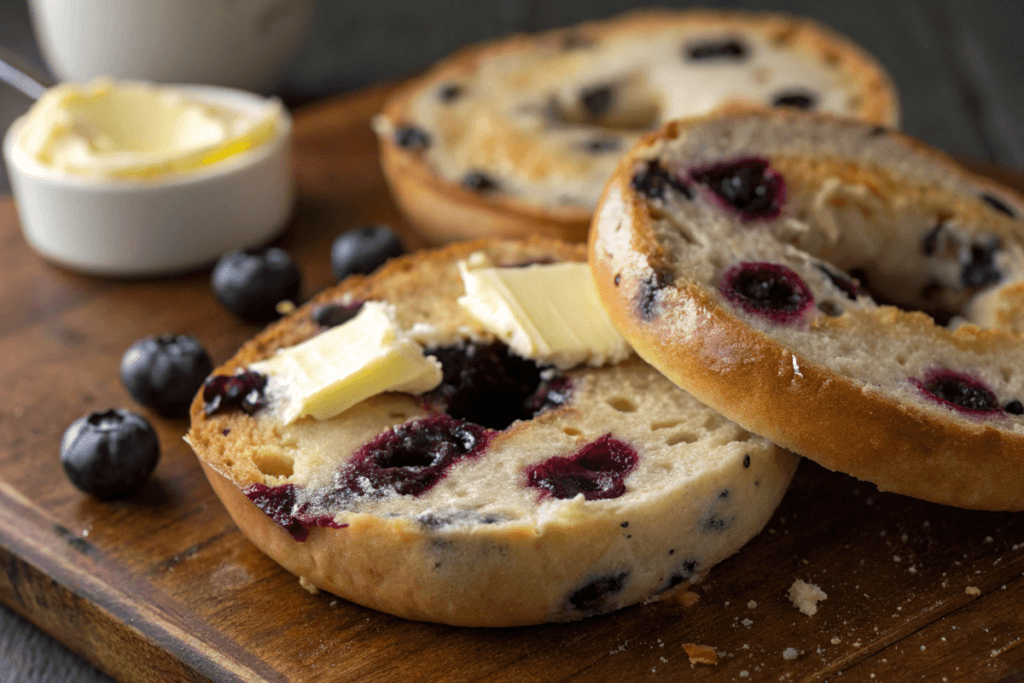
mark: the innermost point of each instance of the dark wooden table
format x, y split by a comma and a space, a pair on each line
161, 586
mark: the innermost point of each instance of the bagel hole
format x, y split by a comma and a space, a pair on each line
274, 464
623, 405
655, 426
681, 437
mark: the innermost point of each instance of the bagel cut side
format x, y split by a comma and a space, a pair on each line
608, 486
518, 136
836, 287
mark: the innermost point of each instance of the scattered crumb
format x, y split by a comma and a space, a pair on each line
789, 654
285, 307
747, 622
923, 648
912, 569
680, 597
305, 583
836, 641
897, 558
334, 603
805, 596
973, 590
744, 674
700, 654
988, 539
752, 605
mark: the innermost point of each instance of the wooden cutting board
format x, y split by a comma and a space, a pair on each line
161, 586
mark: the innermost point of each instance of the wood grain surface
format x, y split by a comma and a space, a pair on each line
161, 586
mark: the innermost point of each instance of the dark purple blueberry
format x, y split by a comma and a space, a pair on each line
959, 391
1014, 407
652, 180
847, 285
979, 265
242, 391
108, 454
411, 458
484, 384
795, 100
748, 185
768, 289
999, 205
551, 394
336, 313
280, 503
412, 137
479, 182
730, 49
930, 242
364, 250
164, 372
602, 145
252, 282
449, 92
649, 291
594, 595
598, 471
597, 100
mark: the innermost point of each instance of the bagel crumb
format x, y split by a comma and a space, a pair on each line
789, 654
973, 591
700, 654
805, 596
305, 583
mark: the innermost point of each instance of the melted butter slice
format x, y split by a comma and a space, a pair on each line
549, 313
331, 372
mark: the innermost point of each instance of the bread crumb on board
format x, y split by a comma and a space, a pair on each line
790, 653
973, 590
308, 585
700, 654
806, 596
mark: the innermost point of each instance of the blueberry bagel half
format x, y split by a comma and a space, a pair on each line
497, 487
518, 136
838, 288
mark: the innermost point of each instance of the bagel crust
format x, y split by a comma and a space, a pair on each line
517, 137
483, 545
736, 254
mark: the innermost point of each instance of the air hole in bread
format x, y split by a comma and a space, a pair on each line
623, 405
663, 425
398, 416
681, 437
274, 464
714, 422
742, 436
571, 431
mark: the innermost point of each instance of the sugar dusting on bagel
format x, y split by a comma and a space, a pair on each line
836, 287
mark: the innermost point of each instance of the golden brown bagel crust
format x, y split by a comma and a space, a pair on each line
800, 386
444, 210
481, 548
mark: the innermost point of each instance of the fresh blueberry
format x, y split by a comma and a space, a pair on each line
164, 372
363, 250
109, 454
252, 282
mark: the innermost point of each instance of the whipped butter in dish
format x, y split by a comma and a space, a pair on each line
126, 129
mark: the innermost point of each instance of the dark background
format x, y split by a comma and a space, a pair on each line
958, 64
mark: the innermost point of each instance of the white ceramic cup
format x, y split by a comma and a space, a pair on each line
236, 43
143, 227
